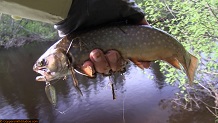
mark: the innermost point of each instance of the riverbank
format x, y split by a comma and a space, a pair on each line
23, 40
16, 33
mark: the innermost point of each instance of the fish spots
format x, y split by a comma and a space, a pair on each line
138, 32
136, 43
91, 34
154, 37
157, 36
138, 38
148, 44
171, 44
75, 55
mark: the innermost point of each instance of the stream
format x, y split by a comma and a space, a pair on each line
141, 96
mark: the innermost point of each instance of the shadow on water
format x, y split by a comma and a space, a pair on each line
139, 99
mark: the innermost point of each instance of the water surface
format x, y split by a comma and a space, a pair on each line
139, 99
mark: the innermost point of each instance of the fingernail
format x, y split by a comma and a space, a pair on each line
96, 56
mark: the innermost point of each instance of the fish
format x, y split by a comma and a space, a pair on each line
51, 93
138, 43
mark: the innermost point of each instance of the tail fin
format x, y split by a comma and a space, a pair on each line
189, 65
191, 68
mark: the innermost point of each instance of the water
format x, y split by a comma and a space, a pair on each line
139, 99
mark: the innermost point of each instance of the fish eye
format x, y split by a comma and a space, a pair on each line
42, 62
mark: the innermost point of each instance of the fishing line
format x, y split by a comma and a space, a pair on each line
69, 46
64, 111
74, 80
112, 79
55, 107
124, 98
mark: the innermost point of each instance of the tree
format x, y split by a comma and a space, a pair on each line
194, 23
17, 32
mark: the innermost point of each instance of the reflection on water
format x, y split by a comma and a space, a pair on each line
139, 99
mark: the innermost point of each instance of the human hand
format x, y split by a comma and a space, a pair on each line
112, 61
106, 63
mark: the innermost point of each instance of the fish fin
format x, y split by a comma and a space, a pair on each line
146, 64
137, 63
193, 65
89, 71
174, 62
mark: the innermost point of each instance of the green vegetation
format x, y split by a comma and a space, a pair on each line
17, 32
195, 24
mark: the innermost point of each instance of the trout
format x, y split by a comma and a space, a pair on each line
139, 42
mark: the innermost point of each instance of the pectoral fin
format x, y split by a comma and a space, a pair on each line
88, 69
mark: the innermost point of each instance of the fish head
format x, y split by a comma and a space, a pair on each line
53, 64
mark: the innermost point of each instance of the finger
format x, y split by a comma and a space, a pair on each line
100, 63
116, 62
88, 68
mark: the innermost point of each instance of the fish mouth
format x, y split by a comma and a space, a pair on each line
46, 74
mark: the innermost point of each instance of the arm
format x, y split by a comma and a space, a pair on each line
88, 13
49, 11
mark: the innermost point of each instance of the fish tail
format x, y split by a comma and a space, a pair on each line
191, 68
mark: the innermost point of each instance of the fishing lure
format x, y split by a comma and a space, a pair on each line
51, 93
72, 70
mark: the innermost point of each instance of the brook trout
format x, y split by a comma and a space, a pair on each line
140, 42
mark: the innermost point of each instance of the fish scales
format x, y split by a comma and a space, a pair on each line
145, 43
140, 42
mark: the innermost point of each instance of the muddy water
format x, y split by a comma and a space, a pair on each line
139, 99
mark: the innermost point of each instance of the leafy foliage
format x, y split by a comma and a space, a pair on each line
194, 23
11, 30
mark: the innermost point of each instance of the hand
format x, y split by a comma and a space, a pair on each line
104, 63
111, 61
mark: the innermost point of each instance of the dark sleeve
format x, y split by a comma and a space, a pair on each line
89, 13
131, 12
